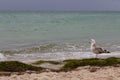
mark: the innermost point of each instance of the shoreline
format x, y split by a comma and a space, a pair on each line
80, 73
85, 69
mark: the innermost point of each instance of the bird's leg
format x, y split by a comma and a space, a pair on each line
96, 55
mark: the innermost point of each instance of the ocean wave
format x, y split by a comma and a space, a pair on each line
59, 47
56, 51
59, 56
2, 57
52, 47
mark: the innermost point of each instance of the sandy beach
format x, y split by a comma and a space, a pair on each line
80, 73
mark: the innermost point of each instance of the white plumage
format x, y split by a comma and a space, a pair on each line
97, 50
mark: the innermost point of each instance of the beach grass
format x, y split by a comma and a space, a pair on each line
72, 63
16, 66
44, 61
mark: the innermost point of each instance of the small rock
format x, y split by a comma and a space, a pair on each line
93, 69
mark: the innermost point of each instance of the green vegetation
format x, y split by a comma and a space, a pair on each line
70, 64
15, 66
42, 61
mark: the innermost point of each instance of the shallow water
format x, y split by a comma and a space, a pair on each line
30, 35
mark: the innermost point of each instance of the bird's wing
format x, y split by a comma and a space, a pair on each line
98, 50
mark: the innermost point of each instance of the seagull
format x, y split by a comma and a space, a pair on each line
97, 50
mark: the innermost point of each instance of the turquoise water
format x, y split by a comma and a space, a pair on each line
21, 29
28, 36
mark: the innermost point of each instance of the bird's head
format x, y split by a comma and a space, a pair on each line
93, 44
93, 41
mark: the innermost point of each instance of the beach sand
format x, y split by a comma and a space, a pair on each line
80, 73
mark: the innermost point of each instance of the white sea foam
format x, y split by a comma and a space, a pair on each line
2, 57
60, 56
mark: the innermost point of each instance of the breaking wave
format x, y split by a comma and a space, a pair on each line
55, 51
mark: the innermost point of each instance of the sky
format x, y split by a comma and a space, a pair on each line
60, 5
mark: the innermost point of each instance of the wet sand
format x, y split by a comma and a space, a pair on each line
81, 73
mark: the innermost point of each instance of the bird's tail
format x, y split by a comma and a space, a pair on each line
106, 51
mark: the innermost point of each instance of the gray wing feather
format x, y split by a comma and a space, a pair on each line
100, 50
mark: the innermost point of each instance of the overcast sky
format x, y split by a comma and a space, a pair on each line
109, 5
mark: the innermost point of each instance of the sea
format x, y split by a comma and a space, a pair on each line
57, 35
